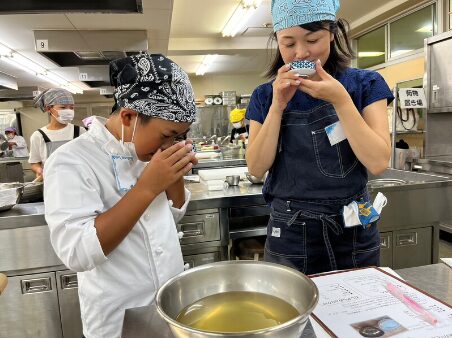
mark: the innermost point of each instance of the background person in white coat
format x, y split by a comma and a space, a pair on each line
113, 195
16, 143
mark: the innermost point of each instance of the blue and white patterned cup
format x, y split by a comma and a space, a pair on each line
302, 64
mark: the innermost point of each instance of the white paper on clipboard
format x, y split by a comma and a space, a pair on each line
353, 303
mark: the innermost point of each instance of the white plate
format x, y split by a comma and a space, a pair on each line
304, 72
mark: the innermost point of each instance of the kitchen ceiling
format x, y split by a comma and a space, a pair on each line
185, 30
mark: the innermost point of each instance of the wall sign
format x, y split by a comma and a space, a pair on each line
42, 45
412, 98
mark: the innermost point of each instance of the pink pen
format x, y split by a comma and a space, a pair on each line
412, 304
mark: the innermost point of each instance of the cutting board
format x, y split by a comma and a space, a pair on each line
220, 174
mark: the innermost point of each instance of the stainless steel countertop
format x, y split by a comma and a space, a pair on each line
221, 162
13, 159
251, 194
436, 279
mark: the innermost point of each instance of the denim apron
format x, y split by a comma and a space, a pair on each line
308, 185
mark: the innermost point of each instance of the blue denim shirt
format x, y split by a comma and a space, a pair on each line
307, 169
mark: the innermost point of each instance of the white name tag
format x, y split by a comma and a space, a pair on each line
122, 169
335, 133
276, 232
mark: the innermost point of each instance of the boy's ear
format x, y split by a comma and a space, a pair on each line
127, 116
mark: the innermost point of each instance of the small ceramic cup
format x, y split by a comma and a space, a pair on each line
304, 68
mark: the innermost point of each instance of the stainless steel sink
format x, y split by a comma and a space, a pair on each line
396, 177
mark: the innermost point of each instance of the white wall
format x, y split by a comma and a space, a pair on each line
214, 84
32, 119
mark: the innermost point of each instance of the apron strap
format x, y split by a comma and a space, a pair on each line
76, 131
44, 136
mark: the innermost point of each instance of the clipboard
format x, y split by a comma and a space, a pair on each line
368, 310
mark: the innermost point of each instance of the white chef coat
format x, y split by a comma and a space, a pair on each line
80, 184
20, 148
38, 149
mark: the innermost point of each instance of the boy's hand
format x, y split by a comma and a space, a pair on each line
166, 167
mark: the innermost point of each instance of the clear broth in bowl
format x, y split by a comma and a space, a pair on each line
237, 311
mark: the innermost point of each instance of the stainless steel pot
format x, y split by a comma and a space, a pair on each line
273, 279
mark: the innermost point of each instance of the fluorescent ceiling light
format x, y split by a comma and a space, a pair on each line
425, 29
370, 54
4, 50
206, 63
400, 52
242, 13
27, 63
22, 62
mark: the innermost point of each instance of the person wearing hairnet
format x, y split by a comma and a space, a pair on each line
16, 143
59, 104
114, 195
240, 129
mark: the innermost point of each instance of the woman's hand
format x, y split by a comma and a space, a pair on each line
284, 87
166, 167
327, 88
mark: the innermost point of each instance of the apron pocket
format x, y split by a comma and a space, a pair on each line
333, 161
366, 244
285, 244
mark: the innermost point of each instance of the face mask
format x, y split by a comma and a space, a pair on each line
125, 165
237, 125
10, 136
64, 116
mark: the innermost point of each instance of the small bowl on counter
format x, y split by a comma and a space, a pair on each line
254, 179
226, 279
232, 180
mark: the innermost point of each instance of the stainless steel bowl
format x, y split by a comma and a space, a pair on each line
273, 279
254, 179
19, 190
233, 180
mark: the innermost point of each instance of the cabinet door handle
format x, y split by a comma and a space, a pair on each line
385, 242
36, 285
69, 281
192, 229
407, 239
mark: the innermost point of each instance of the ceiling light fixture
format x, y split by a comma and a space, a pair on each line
18, 60
242, 13
206, 63
370, 54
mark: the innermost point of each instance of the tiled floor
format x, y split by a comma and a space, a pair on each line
445, 245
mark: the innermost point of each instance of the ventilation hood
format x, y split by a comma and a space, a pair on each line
7, 81
73, 48
22, 94
83, 6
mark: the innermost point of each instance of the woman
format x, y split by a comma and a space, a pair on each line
114, 195
16, 143
59, 104
314, 174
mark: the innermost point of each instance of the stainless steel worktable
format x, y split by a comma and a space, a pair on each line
436, 279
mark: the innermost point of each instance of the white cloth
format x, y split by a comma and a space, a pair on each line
38, 151
20, 148
80, 184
